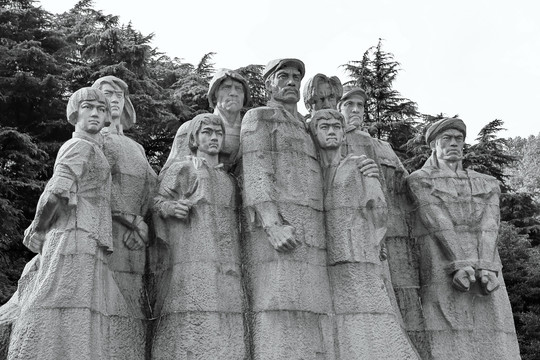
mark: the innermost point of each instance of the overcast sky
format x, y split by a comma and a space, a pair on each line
478, 59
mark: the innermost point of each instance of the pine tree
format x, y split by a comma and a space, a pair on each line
389, 116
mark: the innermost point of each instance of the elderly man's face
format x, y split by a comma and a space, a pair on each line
353, 110
91, 116
116, 99
449, 145
230, 95
324, 97
284, 85
329, 133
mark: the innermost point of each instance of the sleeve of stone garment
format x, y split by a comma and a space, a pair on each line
176, 183
436, 218
70, 165
485, 192
256, 138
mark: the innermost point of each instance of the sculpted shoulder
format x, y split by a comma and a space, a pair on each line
77, 147
263, 113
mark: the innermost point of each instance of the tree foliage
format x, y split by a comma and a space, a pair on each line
389, 116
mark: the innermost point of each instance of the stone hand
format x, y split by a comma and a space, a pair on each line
367, 166
489, 282
178, 209
282, 237
138, 237
463, 278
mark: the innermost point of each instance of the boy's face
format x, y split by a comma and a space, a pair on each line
330, 133
210, 139
91, 116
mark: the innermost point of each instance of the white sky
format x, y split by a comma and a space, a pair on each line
476, 58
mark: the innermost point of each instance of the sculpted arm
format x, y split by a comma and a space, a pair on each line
488, 263
59, 192
257, 141
435, 217
169, 201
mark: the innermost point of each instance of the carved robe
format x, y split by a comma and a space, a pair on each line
457, 226
202, 316
66, 303
289, 294
367, 326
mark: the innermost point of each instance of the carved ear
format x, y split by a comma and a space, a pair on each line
267, 85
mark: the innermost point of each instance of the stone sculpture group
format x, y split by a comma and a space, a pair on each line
272, 236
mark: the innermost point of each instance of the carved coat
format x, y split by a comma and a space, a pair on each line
457, 226
65, 308
202, 312
289, 292
367, 326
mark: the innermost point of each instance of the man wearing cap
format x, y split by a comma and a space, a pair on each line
466, 310
133, 186
322, 92
284, 249
228, 94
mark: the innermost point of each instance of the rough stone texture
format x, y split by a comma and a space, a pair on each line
401, 268
66, 297
133, 183
366, 324
457, 224
289, 294
202, 316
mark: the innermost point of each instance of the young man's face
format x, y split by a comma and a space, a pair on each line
210, 139
329, 134
91, 116
230, 95
353, 110
449, 145
116, 99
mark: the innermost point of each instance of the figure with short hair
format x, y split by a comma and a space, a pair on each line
366, 325
65, 308
133, 187
202, 316
466, 311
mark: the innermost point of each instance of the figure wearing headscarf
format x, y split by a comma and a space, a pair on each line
133, 186
465, 306
202, 314
228, 94
366, 325
66, 306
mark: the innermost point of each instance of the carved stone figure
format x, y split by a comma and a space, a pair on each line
466, 310
401, 269
284, 247
227, 94
65, 304
202, 317
322, 92
365, 322
133, 186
